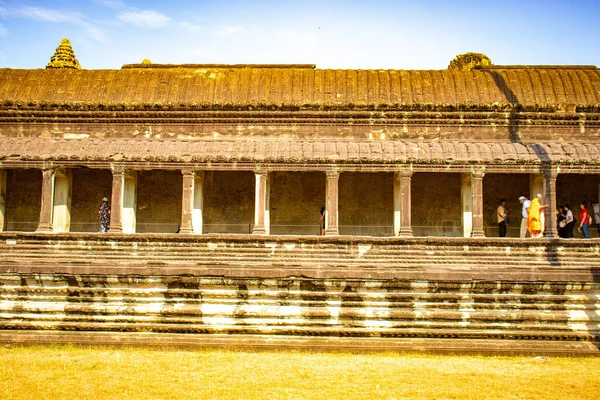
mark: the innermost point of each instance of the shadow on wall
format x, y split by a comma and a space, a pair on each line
513, 121
515, 137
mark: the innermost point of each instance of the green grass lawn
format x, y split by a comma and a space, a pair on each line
66, 372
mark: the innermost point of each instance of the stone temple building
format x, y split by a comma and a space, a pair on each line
217, 175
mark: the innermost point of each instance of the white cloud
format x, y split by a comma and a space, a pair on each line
94, 32
146, 19
45, 14
116, 4
188, 26
227, 30
57, 17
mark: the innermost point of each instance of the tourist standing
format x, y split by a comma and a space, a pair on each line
561, 222
584, 221
525, 213
502, 215
104, 212
570, 221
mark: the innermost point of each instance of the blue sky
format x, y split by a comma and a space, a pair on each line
374, 34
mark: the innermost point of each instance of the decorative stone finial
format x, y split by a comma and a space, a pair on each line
469, 61
64, 57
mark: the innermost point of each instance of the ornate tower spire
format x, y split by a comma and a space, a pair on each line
64, 57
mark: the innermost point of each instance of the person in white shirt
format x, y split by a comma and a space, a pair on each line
526, 204
570, 221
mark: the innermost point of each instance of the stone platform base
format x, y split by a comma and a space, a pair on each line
302, 343
485, 296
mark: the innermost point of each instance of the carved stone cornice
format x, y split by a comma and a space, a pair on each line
264, 167
499, 118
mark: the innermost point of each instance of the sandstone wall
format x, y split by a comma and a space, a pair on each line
366, 203
89, 187
228, 201
573, 189
159, 201
503, 186
436, 204
23, 199
296, 198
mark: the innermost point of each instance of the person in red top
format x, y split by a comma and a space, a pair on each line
584, 220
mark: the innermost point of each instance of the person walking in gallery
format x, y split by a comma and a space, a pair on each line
596, 208
535, 219
322, 221
570, 221
502, 215
561, 222
584, 221
104, 212
525, 213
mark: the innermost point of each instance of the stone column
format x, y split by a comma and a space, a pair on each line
268, 205
536, 185
116, 201
550, 175
2, 198
61, 213
405, 206
198, 203
331, 203
187, 201
45, 224
477, 188
260, 204
129, 201
397, 204
467, 204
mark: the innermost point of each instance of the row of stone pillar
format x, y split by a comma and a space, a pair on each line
472, 203
57, 183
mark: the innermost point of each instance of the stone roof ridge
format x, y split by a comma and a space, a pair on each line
537, 67
146, 64
64, 57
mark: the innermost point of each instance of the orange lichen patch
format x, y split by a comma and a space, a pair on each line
276, 88
64, 57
